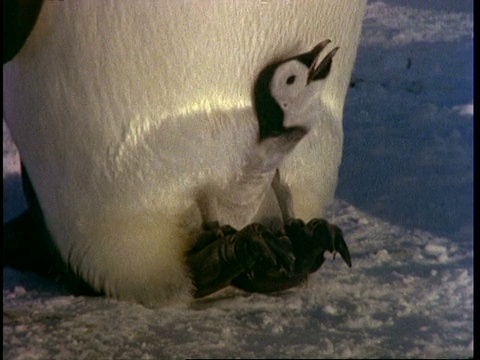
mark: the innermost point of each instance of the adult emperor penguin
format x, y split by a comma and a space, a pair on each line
175, 148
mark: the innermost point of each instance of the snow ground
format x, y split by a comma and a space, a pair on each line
404, 202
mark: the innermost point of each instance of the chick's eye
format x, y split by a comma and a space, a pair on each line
290, 79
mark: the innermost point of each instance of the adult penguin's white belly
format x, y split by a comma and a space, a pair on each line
122, 111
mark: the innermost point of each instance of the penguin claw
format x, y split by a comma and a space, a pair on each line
340, 246
310, 242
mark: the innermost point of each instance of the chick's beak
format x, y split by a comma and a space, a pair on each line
321, 70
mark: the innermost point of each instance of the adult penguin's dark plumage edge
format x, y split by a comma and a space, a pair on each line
19, 17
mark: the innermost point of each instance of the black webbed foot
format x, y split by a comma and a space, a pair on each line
256, 260
222, 253
309, 243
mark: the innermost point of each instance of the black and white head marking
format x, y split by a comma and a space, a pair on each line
281, 83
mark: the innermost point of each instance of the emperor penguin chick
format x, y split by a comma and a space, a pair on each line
256, 258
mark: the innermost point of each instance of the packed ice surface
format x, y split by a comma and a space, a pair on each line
408, 294
404, 204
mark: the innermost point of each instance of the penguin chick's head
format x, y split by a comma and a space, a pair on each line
283, 90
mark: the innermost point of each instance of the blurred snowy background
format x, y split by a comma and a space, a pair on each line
408, 154
404, 201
